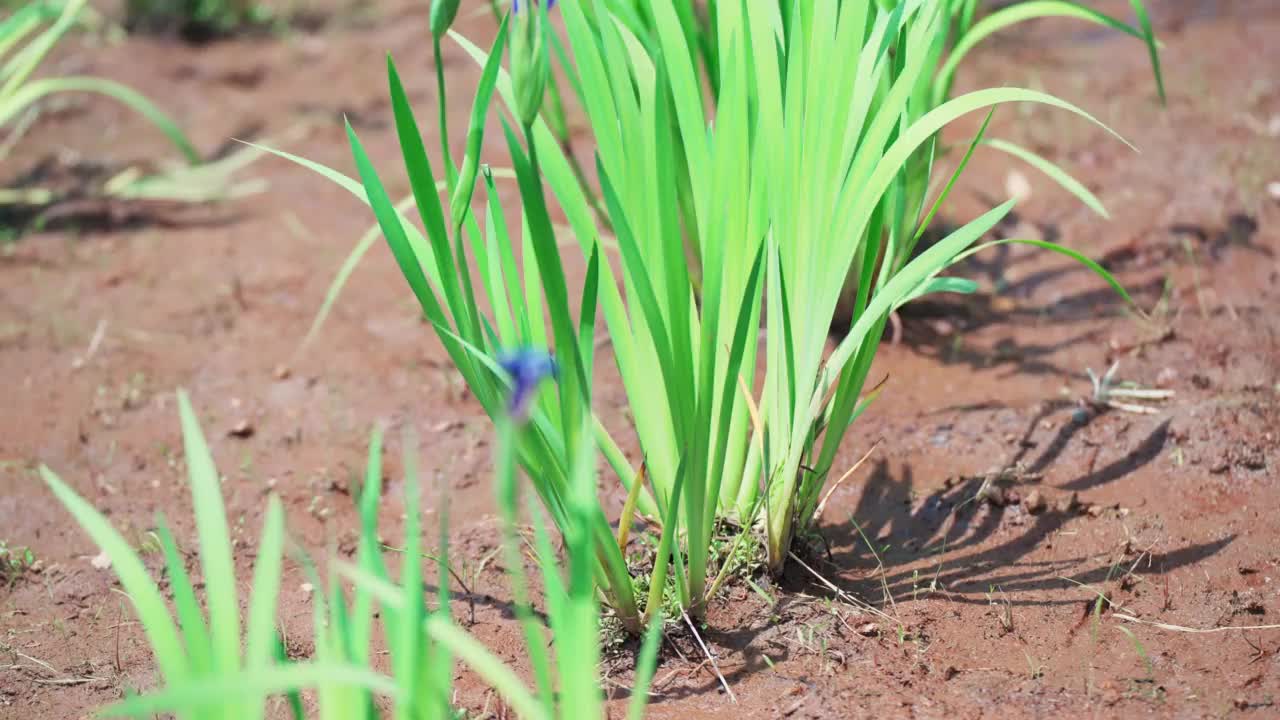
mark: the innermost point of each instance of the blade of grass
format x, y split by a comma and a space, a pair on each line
215, 543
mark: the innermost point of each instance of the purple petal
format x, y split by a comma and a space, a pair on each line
527, 367
515, 5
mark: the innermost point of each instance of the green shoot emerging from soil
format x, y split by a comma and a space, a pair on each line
14, 561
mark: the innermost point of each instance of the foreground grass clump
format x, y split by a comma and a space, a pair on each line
222, 665
798, 177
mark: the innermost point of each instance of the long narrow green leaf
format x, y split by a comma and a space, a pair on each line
33, 91
1149, 36
408, 648
423, 182
25, 20
925, 265
460, 202
19, 68
489, 667
254, 686
1079, 257
195, 635
1055, 173
260, 631
216, 559
147, 600
946, 190
1030, 10
646, 663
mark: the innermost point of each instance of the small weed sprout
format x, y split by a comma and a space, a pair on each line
14, 562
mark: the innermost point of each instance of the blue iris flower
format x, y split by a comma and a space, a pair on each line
515, 5
527, 367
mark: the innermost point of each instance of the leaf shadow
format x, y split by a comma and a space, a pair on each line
943, 539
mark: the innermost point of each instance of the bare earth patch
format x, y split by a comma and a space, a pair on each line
1008, 549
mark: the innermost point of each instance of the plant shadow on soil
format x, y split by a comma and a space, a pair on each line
924, 523
935, 326
907, 527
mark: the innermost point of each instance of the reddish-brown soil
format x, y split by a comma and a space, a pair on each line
984, 600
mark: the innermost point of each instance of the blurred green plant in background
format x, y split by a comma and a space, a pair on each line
27, 36
195, 20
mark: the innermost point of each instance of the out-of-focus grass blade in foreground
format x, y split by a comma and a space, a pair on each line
209, 669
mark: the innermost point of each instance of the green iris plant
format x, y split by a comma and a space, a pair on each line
801, 173
26, 38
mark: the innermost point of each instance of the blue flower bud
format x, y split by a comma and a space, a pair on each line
527, 368
515, 5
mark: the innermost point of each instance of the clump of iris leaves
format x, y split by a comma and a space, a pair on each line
802, 187
800, 190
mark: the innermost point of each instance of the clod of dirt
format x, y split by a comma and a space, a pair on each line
1249, 457
282, 372
1248, 602
246, 78
994, 495
1068, 505
791, 710
242, 429
1243, 455
1034, 502
1016, 185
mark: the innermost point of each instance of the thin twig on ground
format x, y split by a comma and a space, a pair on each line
714, 666
851, 600
1182, 628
